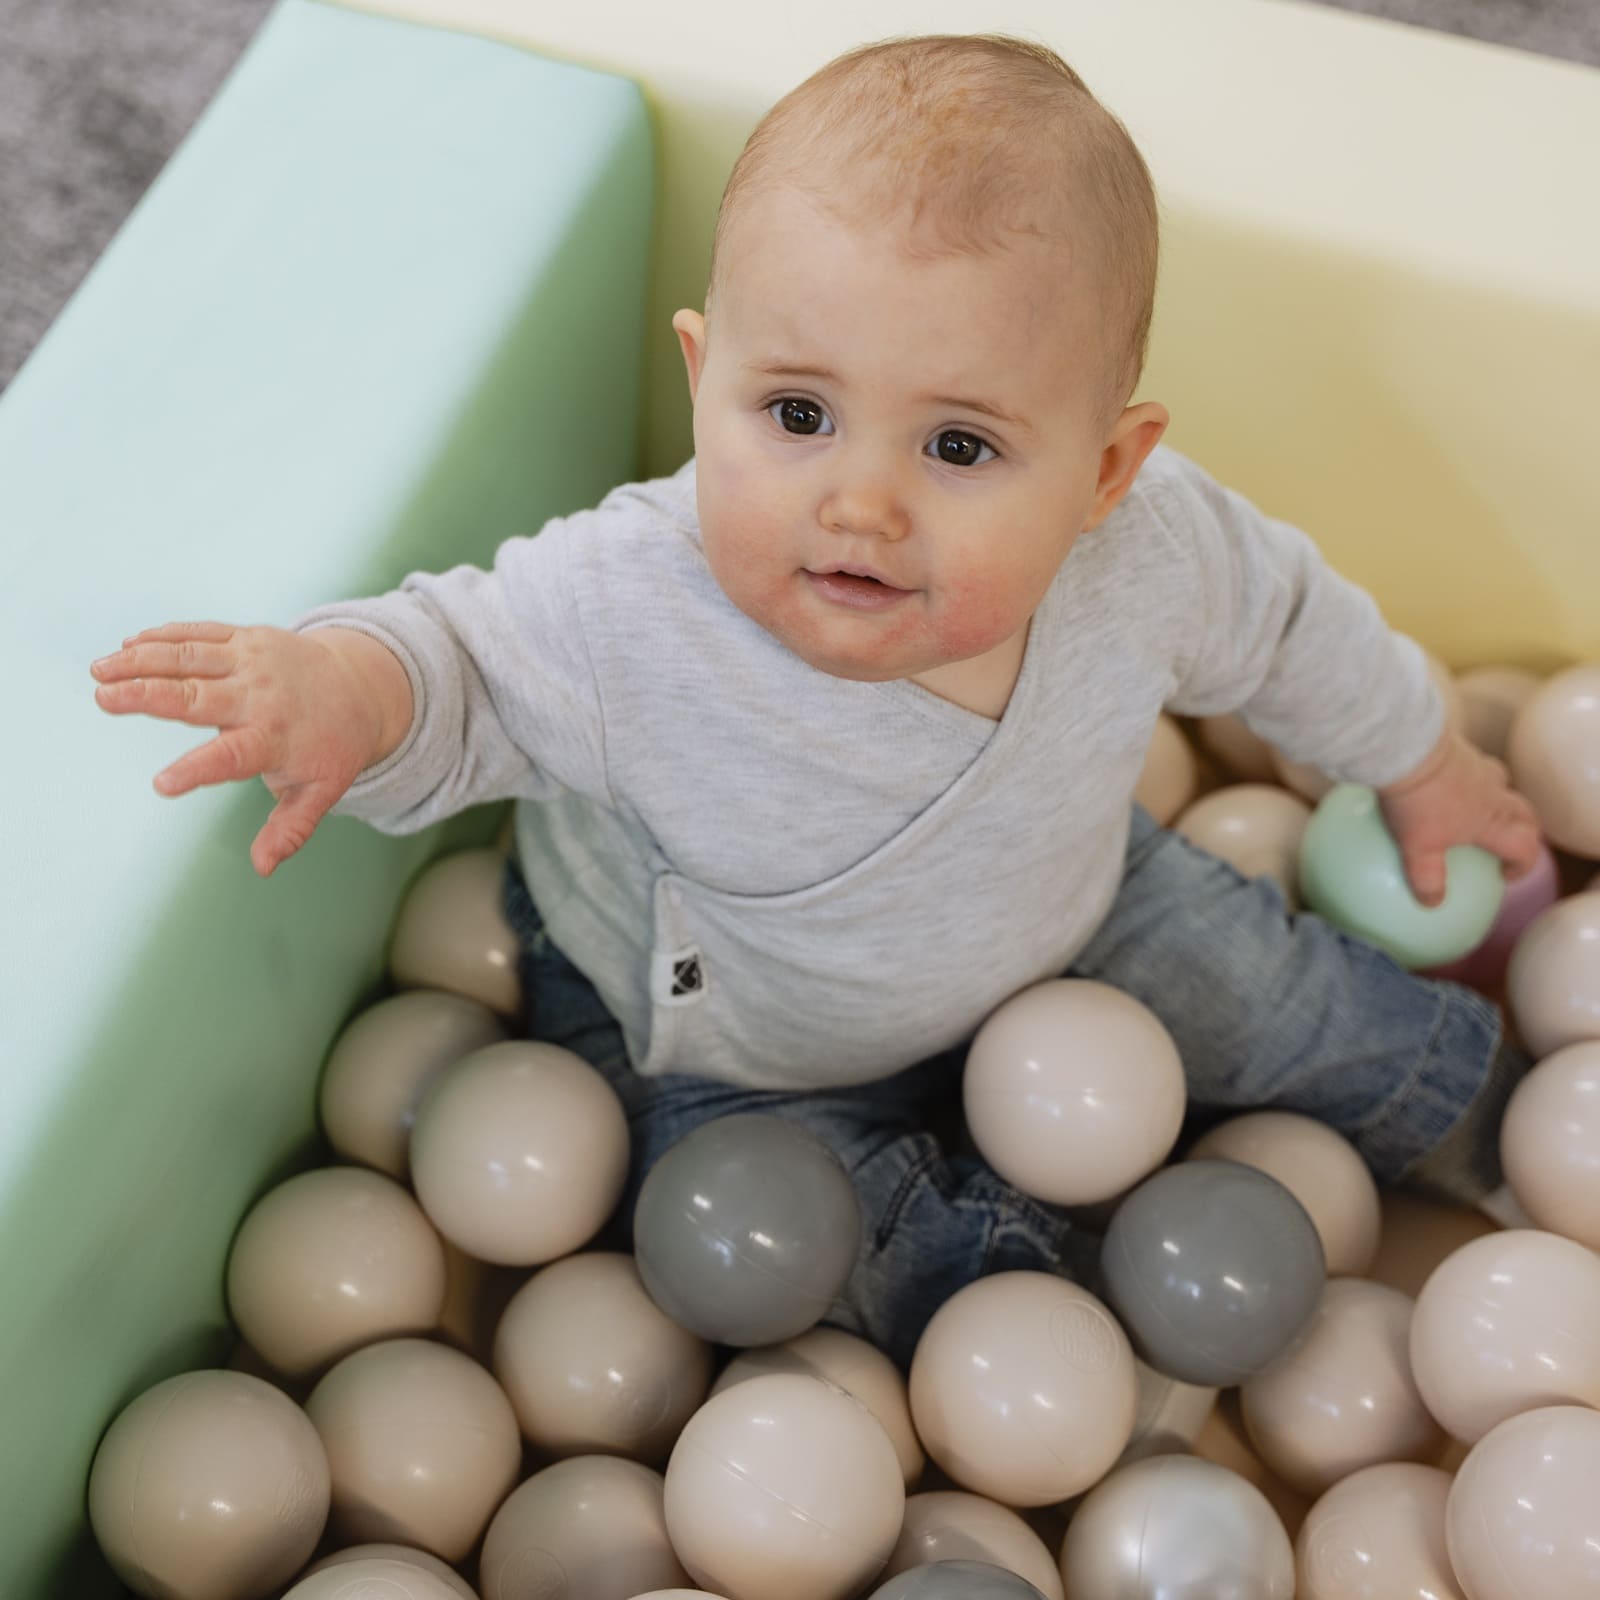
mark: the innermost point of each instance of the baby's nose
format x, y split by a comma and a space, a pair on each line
870, 507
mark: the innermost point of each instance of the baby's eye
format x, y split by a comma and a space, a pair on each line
958, 449
797, 416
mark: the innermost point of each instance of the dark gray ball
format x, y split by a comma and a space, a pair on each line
957, 1580
746, 1230
1214, 1269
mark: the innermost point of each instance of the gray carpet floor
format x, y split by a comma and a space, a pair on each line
96, 94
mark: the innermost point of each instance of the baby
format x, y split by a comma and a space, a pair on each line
826, 744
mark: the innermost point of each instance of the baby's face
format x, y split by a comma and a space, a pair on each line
845, 414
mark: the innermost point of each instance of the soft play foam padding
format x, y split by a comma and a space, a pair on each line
382, 309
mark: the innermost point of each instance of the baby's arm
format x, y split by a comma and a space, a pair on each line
1307, 660
304, 712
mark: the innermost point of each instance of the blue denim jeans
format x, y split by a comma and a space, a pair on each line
1268, 1009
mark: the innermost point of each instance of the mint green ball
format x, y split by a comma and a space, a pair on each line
1351, 874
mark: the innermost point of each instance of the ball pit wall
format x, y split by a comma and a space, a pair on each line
362, 323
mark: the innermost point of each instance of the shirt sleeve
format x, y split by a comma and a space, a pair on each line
1301, 654
505, 701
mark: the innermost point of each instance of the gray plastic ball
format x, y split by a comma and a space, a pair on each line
1176, 1528
746, 1230
957, 1580
1214, 1269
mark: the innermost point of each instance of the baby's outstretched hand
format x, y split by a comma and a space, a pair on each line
291, 708
1458, 795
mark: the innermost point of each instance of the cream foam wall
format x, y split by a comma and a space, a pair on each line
1379, 307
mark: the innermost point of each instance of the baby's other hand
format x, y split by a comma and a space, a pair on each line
1458, 795
292, 709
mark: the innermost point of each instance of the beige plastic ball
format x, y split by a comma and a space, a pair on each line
1319, 1167
422, 1444
1491, 697
385, 1061
1550, 1143
1073, 1091
952, 1525
1171, 1416
406, 1555
1256, 827
1378, 1535
1523, 1518
208, 1486
851, 1364
588, 1528
375, 1579
1344, 1397
593, 1366
1417, 1235
1553, 980
1170, 777
1554, 756
1508, 1323
1244, 756
1023, 1388
519, 1153
329, 1261
1307, 781
451, 933
784, 1488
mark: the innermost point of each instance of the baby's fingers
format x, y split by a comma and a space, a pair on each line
232, 756
207, 703
145, 657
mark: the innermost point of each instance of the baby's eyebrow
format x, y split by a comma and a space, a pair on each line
792, 369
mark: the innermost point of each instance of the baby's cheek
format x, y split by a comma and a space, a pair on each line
975, 618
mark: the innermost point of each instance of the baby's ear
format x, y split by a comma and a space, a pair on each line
690, 327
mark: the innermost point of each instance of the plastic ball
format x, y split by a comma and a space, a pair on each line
208, 1486
405, 1555
1179, 1528
958, 1580
587, 1527
1215, 1270
851, 1364
1554, 756
383, 1063
1344, 1397
452, 933
1319, 1167
1553, 982
1550, 1143
1351, 874
1378, 1535
1244, 756
951, 1526
1491, 697
329, 1261
1170, 777
1523, 1518
592, 1365
746, 1230
783, 1488
1507, 1323
1073, 1091
1256, 827
375, 1579
1023, 1388
1484, 966
519, 1153
422, 1445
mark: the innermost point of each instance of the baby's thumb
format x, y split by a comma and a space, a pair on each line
1425, 870
294, 819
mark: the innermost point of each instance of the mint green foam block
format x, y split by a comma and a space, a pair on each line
382, 309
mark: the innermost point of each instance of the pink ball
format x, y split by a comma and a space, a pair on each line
1484, 968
